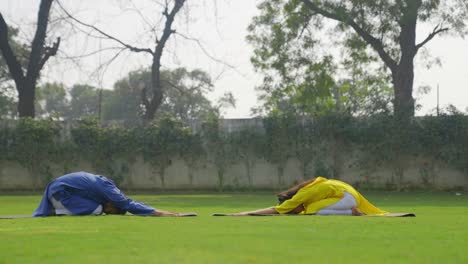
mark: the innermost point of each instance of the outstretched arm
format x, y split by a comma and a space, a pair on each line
268, 211
109, 208
118, 202
165, 213
264, 211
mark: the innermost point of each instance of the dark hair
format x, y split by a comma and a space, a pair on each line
114, 209
288, 194
121, 211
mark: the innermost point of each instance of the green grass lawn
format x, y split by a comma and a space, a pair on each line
439, 233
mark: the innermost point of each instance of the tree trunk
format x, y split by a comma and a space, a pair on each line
403, 74
150, 112
402, 70
26, 79
403, 91
153, 104
26, 95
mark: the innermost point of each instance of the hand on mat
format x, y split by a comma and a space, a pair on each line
187, 214
265, 211
233, 214
167, 213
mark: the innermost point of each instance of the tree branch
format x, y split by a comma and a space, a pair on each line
49, 52
438, 29
92, 53
147, 22
158, 51
167, 28
344, 17
13, 64
173, 85
144, 99
37, 46
102, 68
204, 50
128, 46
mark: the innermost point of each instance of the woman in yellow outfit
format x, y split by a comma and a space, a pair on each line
323, 197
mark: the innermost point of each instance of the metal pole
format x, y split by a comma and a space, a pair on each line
100, 105
437, 99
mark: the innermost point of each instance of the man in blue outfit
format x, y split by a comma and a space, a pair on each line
82, 193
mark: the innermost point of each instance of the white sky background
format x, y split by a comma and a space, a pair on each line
221, 28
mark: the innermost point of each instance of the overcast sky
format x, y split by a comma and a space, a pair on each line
221, 28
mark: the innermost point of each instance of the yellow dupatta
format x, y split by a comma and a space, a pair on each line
322, 193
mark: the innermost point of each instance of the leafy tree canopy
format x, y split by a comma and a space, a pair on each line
51, 100
185, 92
302, 45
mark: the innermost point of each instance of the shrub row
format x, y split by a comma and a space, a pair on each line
322, 143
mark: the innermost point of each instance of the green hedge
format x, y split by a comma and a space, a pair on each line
321, 144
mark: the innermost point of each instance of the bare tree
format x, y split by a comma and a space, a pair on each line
25, 77
151, 98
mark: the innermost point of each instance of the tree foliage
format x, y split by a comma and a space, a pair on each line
152, 95
51, 100
84, 101
110, 149
34, 144
248, 145
162, 141
185, 95
26, 76
296, 40
279, 141
185, 99
220, 149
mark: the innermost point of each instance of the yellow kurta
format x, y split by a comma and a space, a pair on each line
323, 192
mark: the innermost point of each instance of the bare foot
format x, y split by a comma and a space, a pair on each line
357, 212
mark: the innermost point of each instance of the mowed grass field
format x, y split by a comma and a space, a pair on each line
438, 234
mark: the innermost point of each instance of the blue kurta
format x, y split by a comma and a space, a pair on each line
82, 192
